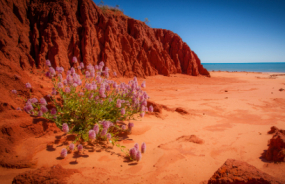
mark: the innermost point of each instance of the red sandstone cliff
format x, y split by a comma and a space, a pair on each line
35, 30
32, 31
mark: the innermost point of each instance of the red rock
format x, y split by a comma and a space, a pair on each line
54, 174
16, 128
238, 172
33, 31
276, 146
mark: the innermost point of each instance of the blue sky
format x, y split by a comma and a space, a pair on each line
219, 31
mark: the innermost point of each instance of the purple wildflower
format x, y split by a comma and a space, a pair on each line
88, 86
53, 91
43, 101
150, 108
143, 147
34, 100
123, 127
53, 111
81, 65
133, 153
81, 93
74, 59
67, 90
72, 70
87, 74
136, 146
63, 153
143, 85
28, 85
98, 79
106, 124
104, 132
69, 79
79, 147
40, 113
101, 64
52, 71
102, 92
19, 109
28, 107
115, 74
48, 62
138, 156
144, 102
96, 128
48, 75
59, 69
108, 88
64, 82
130, 126
65, 128
123, 111
71, 146
92, 134
44, 109
118, 103
60, 85
14, 91
109, 136
92, 74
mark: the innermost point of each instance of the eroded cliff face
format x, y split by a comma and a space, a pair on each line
35, 30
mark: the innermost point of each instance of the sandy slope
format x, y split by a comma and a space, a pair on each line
230, 112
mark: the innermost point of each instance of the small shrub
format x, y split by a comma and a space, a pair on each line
90, 107
105, 8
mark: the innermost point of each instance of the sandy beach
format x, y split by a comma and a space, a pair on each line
202, 122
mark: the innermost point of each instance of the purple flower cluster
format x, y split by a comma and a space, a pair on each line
48, 62
65, 128
130, 126
28, 85
124, 99
79, 147
60, 70
71, 147
96, 128
74, 59
143, 148
63, 153
135, 153
92, 134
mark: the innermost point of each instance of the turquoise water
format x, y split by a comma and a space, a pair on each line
248, 67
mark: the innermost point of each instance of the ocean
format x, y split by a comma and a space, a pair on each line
247, 67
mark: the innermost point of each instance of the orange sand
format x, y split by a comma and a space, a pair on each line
230, 112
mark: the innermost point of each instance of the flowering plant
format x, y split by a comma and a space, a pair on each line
90, 107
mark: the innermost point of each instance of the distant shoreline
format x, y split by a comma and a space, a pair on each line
271, 73
246, 67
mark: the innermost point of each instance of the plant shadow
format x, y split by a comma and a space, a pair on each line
50, 147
